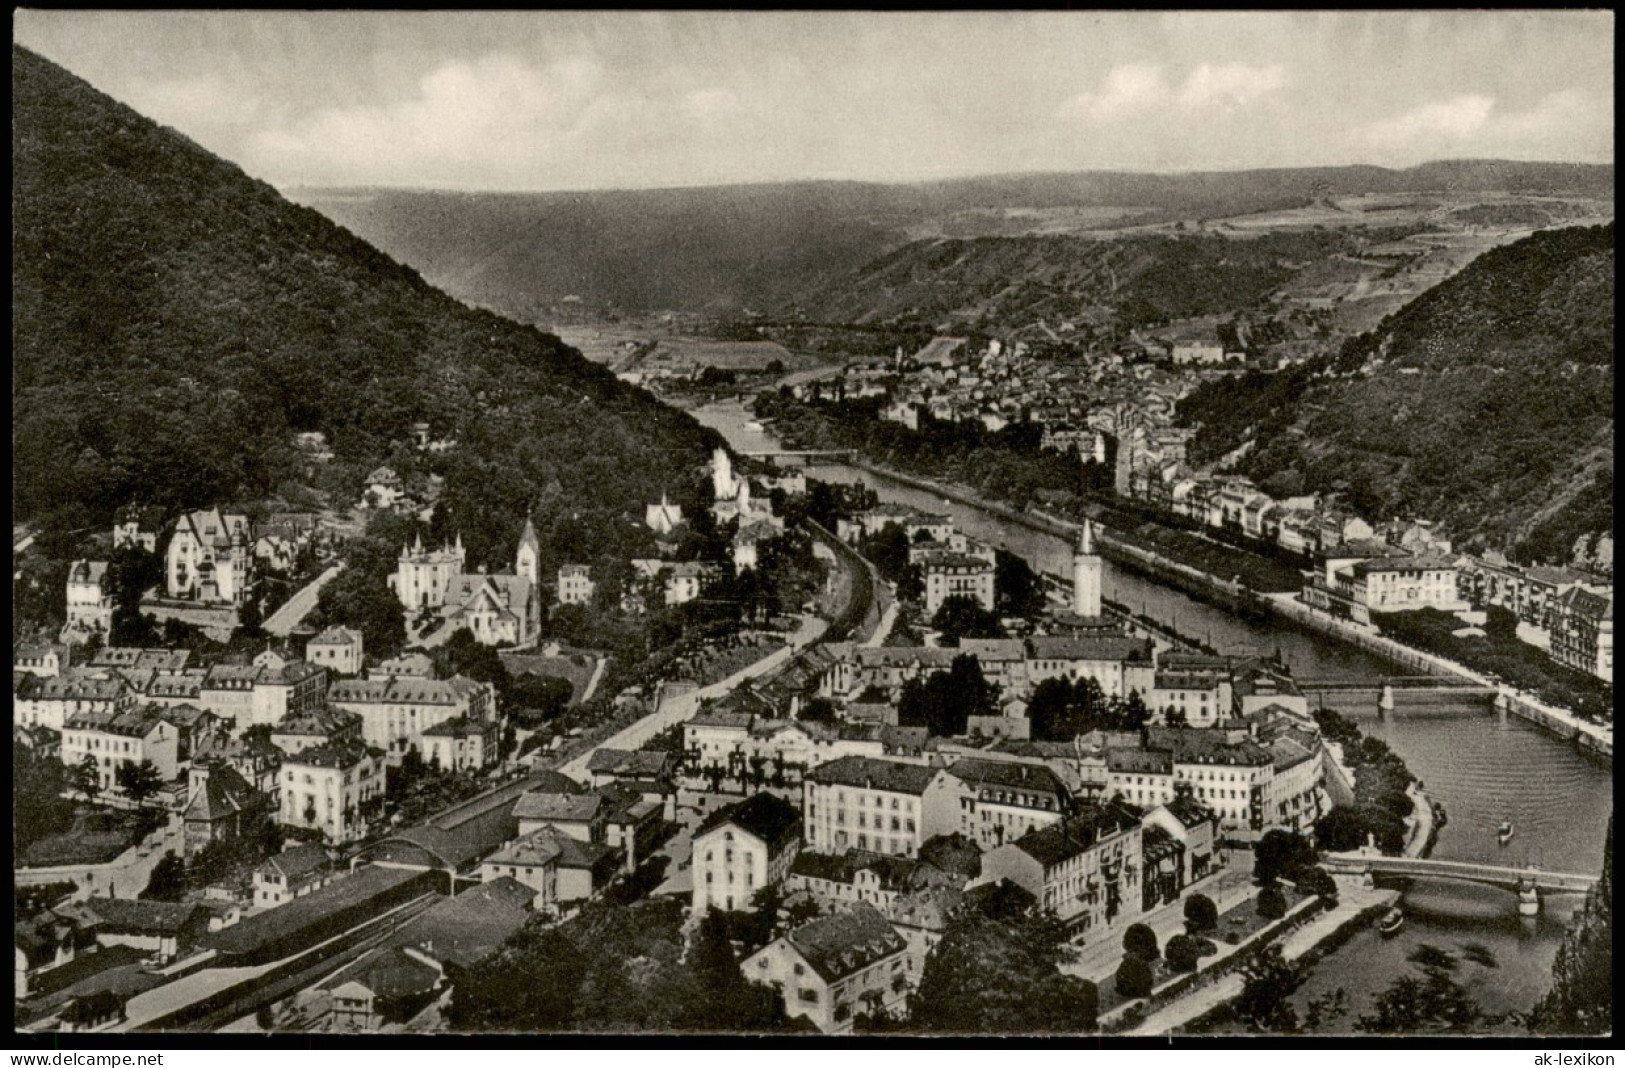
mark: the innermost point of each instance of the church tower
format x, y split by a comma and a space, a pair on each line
1086, 566
527, 561
722, 476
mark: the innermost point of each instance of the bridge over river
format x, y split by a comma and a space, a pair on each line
1528, 882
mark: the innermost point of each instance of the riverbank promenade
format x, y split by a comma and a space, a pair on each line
1353, 902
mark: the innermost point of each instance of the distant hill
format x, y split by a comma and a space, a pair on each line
725, 248
1486, 403
177, 322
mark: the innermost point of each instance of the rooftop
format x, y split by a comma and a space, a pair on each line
767, 817
847, 942
873, 774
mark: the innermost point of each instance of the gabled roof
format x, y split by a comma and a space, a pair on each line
873, 774
1007, 774
465, 929
558, 808
126, 916
766, 816
1077, 835
394, 973
224, 794
636, 763
1106, 648
297, 863
838, 946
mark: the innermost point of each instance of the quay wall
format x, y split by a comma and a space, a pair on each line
1284, 607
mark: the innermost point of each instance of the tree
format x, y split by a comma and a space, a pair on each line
1318, 881
1268, 981
1271, 904
944, 701
1134, 977
1340, 830
1017, 590
1140, 941
1181, 954
1279, 854
139, 781
990, 976
1050, 711
1201, 914
818, 710
167, 881
86, 777
962, 617
1581, 1000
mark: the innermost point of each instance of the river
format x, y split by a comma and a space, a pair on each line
1559, 797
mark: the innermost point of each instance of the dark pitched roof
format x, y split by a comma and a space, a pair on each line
122, 915
466, 929
224, 794
1061, 841
873, 774
395, 973
1189, 811
1008, 774
847, 942
298, 863
770, 818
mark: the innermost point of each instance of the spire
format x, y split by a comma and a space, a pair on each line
528, 535
1086, 538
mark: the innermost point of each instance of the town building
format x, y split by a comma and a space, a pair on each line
861, 802
44, 659
559, 868
338, 649
440, 598
90, 602
991, 802
742, 848
210, 557
292, 873
575, 584
950, 574
831, 969
663, 518
332, 787
462, 744
396, 710
118, 739
221, 805
262, 693
41, 701
1086, 868
295, 734
137, 527
1583, 632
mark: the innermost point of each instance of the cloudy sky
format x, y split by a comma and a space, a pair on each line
635, 99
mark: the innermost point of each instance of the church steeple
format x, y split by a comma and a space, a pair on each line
527, 561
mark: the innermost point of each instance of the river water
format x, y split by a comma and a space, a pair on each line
1558, 797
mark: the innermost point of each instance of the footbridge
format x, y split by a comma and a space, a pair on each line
804, 454
1412, 683
1527, 882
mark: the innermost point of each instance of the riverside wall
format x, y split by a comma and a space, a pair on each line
1285, 607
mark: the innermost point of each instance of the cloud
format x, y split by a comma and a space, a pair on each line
1230, 85
1565, 124
206, 100
1134, 89
1457, 117
1126, 89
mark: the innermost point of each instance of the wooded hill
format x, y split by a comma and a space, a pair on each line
1485, 404
176, 322
724, 248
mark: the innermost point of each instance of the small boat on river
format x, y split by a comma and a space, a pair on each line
1504, 834
1391, 921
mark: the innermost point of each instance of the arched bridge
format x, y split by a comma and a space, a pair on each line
1518, 879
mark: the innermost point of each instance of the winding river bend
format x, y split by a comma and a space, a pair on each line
1483, 773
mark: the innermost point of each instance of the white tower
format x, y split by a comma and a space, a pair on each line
1086, 566
527, 561
722, 476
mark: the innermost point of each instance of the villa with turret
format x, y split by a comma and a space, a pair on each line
502, 608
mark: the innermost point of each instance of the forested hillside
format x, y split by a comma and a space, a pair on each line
177, 322
721, 249
1486, 403
1017, 281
